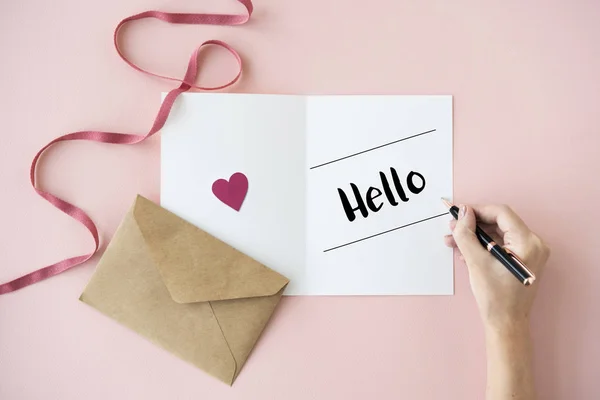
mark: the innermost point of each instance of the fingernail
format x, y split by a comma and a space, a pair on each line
462, 211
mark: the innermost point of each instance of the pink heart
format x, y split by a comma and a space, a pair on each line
233, 192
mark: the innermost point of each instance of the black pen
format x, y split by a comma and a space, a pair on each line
506, 257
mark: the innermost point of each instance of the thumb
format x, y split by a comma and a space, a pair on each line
464, 236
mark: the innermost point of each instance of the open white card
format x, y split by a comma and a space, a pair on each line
344, 191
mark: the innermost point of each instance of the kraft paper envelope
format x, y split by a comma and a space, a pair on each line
184, 289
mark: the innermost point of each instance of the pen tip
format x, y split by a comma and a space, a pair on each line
447, 203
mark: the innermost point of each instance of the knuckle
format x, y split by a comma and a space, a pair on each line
538, 245
545, 250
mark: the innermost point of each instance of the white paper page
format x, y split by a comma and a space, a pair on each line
211, 136
285, 221
408, 260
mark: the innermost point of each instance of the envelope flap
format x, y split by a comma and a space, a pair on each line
194, 265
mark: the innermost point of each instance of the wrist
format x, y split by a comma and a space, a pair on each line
509, 354
507, 330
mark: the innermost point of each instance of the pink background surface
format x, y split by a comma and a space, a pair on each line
525, 76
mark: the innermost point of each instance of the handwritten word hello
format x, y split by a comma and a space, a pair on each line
373, 193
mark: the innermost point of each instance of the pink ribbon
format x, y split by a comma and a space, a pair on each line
187, 83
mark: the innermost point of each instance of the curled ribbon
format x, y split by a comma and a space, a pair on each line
187, 83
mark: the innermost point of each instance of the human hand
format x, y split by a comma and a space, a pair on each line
503, 301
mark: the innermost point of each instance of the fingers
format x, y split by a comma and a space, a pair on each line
465, 239
493, 231
494, 219
452, 224
449, 241
503, 216
490, 229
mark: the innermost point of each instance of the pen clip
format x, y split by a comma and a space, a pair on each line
531, 279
